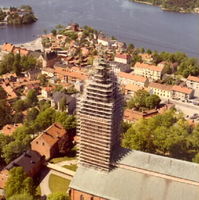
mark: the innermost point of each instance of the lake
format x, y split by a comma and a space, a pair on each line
143, 25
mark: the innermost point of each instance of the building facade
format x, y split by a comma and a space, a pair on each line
99, 116
193, 82
152, 72
163, 91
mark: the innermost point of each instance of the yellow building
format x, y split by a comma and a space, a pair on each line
152, 72
164, 91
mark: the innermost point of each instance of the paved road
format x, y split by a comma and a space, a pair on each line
186, 108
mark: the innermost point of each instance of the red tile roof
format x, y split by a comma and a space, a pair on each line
180, 89
8, 47
160, 86
147, 66
122, 56
193, 78
10, 128
132, 77
52, 134
133, 88
65, 72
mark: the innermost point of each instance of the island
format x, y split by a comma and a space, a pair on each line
17, 16
182, 6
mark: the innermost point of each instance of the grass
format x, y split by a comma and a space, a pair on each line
58, 184
38, 190
71, 167
60, 159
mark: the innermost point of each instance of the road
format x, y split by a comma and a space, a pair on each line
186, 108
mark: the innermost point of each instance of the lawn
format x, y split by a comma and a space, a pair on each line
58, 184
71, 167
60, 159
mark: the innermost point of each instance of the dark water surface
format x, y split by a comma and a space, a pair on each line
145, 26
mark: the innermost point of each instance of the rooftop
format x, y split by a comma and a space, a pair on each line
181, 89
193, 78
132, 77
27, 160
141, 176
52, 134
147, 66
160, 86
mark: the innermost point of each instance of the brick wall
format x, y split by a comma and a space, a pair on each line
76, 195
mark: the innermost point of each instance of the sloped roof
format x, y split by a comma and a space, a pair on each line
141, 176
193, 78
150, 67
27, 160
132, 77
160, 86
185, 90
52, 134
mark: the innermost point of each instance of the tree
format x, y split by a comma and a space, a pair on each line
14, 149
67, 121
143, 100
19, 183
58, 196
4, 140
43, 79
54, 32
152, 101
19, 105
5, 113
3, 94
32, 114
32, 99
44, 119
21, 197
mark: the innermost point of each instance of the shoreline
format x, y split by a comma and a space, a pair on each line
166, 9
32, 45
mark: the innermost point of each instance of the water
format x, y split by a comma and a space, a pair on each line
143, 25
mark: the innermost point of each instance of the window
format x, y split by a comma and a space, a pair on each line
81, 197
91, 198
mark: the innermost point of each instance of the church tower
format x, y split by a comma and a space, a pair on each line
99, 118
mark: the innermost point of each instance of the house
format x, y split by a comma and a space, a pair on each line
50, 72
21, 51
37, 55
131, 115
7, 47
104, 40
146, 58
30, 161
130, 89
127, 78
193, 82
50, 141
152, 72
119, 67
122, 58
33, 74
164, 91
69, 101
182, 93
49, 59
8, 129
11, 95
46, 92
68, 76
